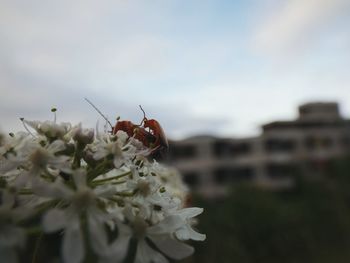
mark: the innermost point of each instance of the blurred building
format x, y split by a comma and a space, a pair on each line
285, 148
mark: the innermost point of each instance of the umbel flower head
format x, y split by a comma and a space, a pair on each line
99, 193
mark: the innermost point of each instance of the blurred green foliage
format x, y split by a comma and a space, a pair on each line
309, 223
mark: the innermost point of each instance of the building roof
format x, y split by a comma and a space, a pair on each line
304, 124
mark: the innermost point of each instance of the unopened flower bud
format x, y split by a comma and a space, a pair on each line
84, 136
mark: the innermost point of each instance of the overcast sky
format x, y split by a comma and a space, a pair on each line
198, 67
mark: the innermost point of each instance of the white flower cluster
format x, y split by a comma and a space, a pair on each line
98, 191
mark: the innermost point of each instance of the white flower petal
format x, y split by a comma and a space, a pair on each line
145, 254
168, 225
194, 235
118, 161
56, 146
182, 234
123, 230
53, 190
54, 220
99, 155
171, 247
186, 232
119, 248
98, 236
58, 161
73, 244
128, 213
21, 180
105, 191
122, 136
159, 258
189, 212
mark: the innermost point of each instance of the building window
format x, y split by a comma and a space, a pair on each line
345, 141
280, 145
221, 148
182, 152
313, 143
310, 143
233, 174
226, 148
191, 179
280, 170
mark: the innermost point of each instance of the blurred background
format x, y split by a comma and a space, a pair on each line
253, 96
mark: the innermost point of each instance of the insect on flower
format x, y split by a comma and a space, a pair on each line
149, 132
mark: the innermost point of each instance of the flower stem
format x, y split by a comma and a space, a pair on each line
25, 192
126, 194
99, 181
36, 248
102, 168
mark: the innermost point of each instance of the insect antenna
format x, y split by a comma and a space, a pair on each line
103, 116
144, 115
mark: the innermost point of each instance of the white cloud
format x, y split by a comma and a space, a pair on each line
292, 25
244, 103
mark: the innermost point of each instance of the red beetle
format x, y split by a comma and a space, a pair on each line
157, 131
136, 131
153, 138
126, 126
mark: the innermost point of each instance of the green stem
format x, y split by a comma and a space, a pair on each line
114, 183
34, 230
102, 168
126, 194
25, 192
99, 181
78, 155
37, 246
